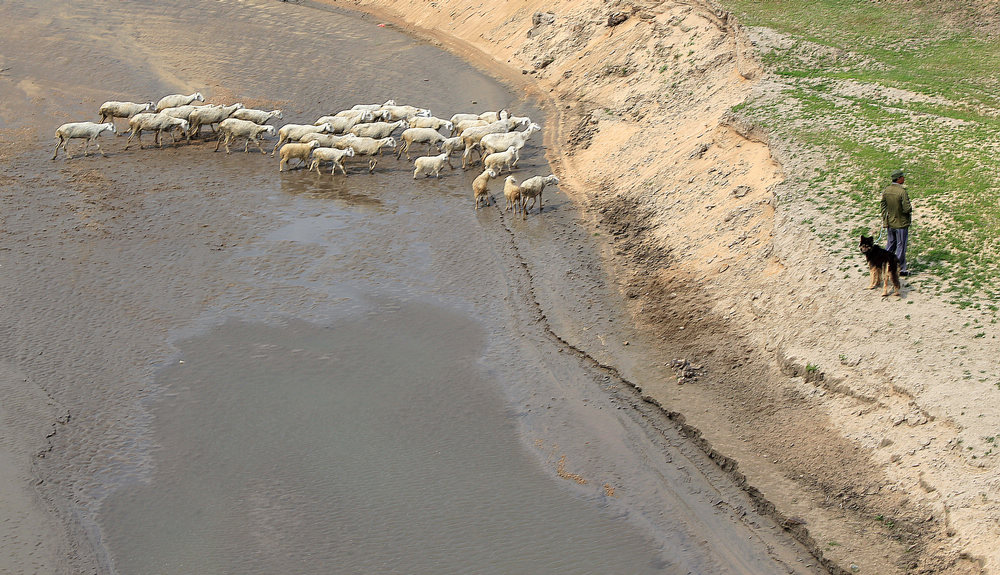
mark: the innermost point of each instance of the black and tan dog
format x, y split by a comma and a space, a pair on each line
882, 263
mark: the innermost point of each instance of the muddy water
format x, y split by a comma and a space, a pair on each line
266, 371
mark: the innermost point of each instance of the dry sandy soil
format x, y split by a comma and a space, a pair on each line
868, 423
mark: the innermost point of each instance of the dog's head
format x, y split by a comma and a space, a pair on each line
867, 243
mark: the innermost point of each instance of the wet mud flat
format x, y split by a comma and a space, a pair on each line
196, 326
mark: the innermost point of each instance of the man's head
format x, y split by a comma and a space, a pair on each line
898, 176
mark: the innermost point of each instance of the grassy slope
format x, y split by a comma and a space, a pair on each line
872, 86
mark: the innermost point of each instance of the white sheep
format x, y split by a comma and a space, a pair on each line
512, 195
492, 143
532, 188
157, 123
480, 189
232, 128
209, 116
488, 116
367, 115
294, 133
472, 136
114, 109
256, 116
371, 147
335, 155
466, 124
411, 136
373, 106
494, 116
455, 119
88, 131
431, 165
377, 130
397, 113
430, 122
296, 150
174, 100
329, 140
183, 112
452, 145
498, 160
342, 124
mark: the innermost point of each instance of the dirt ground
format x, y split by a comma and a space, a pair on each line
867, 422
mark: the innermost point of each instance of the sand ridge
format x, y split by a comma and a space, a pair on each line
851, 413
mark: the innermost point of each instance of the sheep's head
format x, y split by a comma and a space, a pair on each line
276, 114
449, 126
198, 96
533, 127
183, 125
552, 180
424, 113
269, 130
368, 116
391, 142
326, 128
148, 106
314, 144
389, 103
492, 173
349, 152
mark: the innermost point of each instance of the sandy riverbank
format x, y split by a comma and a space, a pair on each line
863, 420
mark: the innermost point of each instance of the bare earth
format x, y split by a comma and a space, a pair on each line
867, 422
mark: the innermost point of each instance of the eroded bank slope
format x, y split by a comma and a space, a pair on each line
822, 392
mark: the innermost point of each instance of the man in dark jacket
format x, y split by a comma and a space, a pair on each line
896, 218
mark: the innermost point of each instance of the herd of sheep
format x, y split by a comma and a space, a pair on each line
494, 138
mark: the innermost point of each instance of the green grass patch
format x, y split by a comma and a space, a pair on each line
873, 86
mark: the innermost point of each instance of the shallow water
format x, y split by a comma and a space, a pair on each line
297, 372
375, 444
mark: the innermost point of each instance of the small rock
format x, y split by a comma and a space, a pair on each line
616, 19
542, 18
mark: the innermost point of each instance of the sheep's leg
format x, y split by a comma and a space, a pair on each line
56, 151
282, 164
281, 140
338, 164
98, 144
256, 141
371, 165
